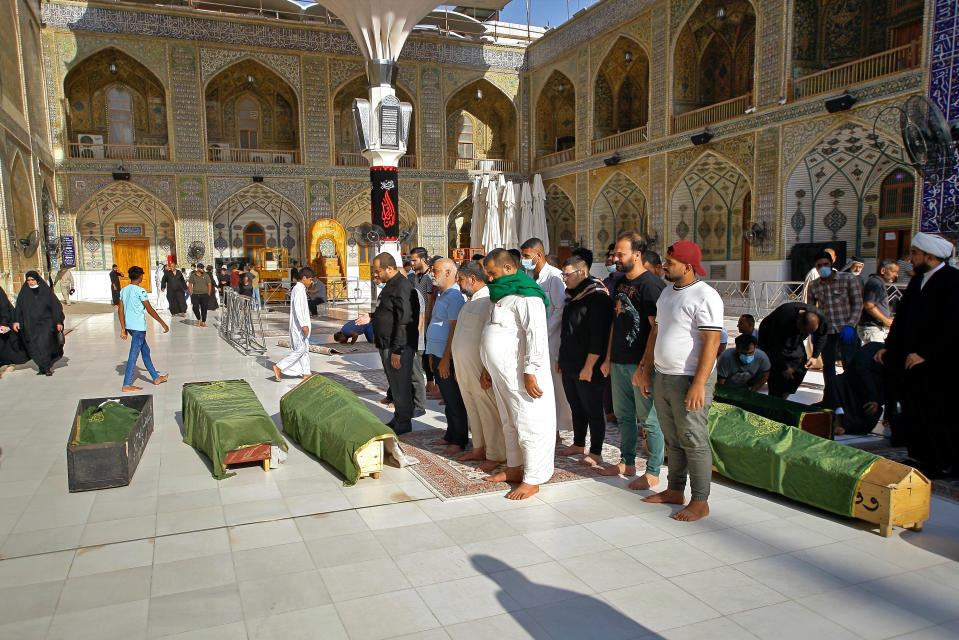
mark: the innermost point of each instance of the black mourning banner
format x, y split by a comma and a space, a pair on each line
385, 200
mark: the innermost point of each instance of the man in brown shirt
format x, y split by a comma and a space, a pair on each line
839, 297
200, 289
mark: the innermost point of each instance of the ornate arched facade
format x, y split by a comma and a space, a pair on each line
560, 219
621, 89
459, 224
480, 124
282, 221
555, 116
619, 206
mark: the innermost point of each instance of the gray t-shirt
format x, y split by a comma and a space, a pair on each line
737, 374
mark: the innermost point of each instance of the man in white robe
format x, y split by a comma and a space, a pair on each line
298, 362
515, 354
485, 424
550, 280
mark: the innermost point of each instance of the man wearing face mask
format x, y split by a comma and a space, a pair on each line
550, 280
839, 296
746, 366
920, 348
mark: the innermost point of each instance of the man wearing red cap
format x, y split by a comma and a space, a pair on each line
689, 320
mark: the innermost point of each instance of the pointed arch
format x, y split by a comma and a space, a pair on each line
706, 206
24, 219
624, 70
494, 118
555, 115
459, 223
560, 218
619, 205
284, 224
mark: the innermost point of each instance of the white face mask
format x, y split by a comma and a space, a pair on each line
33, 286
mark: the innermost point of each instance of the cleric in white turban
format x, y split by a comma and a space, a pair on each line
922, 348
933, 245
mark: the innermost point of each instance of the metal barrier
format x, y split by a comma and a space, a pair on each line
240, 323
739, 296
774, 294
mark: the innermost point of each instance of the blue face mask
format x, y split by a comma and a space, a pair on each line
380, 285
611, 268
825, 272
527, 264
746, 359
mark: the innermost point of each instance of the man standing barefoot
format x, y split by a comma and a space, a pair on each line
298, 362
515, 352
133, 305
689, 319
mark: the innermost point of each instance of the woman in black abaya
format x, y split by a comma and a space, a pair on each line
11, 350
38, 319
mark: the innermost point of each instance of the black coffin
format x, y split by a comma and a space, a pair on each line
108, 464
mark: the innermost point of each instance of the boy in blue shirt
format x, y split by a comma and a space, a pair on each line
134, 305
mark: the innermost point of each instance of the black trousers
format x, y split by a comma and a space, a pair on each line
116, 296
400, 381
779, 385
427, 369
586, 406
419, 385
457, 423
200, 302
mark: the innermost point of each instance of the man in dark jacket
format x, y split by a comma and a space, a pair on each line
115, 285
396, 336
781, 337
921, 347
584, 333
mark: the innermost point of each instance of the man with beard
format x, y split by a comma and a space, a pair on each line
782, 336
919, 347
175, 286
515, 352
439, 338
876, 318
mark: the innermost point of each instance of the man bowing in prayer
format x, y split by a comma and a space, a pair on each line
298, 362
515, 354
919, 346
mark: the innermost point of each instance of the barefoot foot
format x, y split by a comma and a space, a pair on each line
512, 474
644, 482
161, 379
619, 469
488, 466
695, 510
668, 496
523, 491
478, 453
591, 460
453, 449
571, 451
441, 442
277, 373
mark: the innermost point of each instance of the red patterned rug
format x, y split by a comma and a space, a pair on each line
948, 489
451, 479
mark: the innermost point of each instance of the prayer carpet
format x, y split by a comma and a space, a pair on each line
449, 479
942, 488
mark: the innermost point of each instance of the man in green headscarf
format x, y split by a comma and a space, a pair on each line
514, 349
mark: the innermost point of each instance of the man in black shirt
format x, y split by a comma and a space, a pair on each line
781, 336
246, 281
634, 313
115, 285
396, 336
876, 319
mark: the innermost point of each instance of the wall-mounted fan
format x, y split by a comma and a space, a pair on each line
930, 142
755, 231
28, 246
196, 250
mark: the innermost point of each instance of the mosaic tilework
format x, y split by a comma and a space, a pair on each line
326, 40
766, 191
341, 71
431, 120
769, 51
150, 52
410, 191
657, 200
186, 103
432, 219
408, 77
212, 60
192, 224
583, 98
80, 187
320, 200
677, 11
944, 91
524, 124
162, 186
315, 115
346, 189
584, 221
659, 88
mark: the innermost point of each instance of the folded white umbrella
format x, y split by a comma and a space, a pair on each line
476, 224
539, 212
524, 226
508, 217
491, 237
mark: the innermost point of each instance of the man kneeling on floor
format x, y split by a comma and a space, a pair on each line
689, 318
515, 352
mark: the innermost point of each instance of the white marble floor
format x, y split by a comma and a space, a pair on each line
292, 553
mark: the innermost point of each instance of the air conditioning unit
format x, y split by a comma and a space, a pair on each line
90, 146
220, 151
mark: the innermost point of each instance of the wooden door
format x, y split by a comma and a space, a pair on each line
128, 252
563, 252
904, 34
894, 243
366, 258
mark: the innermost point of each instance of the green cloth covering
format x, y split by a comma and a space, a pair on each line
518, 284
219, 417
778, 409
331, 422
760, 452
110, 422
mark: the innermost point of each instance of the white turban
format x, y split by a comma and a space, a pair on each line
933, 245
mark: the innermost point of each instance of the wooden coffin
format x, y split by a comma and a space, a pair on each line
893, 494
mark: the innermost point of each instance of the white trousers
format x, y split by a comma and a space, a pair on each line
529, 425
298, 362
486, 426
564, 415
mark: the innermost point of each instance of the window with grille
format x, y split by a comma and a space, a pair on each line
897, 195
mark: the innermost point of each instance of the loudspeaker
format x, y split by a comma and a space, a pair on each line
612, 160
701, 138
257, 178
842, 103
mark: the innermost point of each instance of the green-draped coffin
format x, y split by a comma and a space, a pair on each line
770, 455
812, 419
219, 417
331, 422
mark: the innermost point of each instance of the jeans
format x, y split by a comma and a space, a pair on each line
200, 301
631, 407
256, 298
586, 407
457, 424
138, 346
402, 387
835, 346
686, 434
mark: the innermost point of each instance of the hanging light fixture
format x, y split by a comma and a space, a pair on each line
479, 94
721, 13
628, 57
561, 87
113, 67
250, 79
